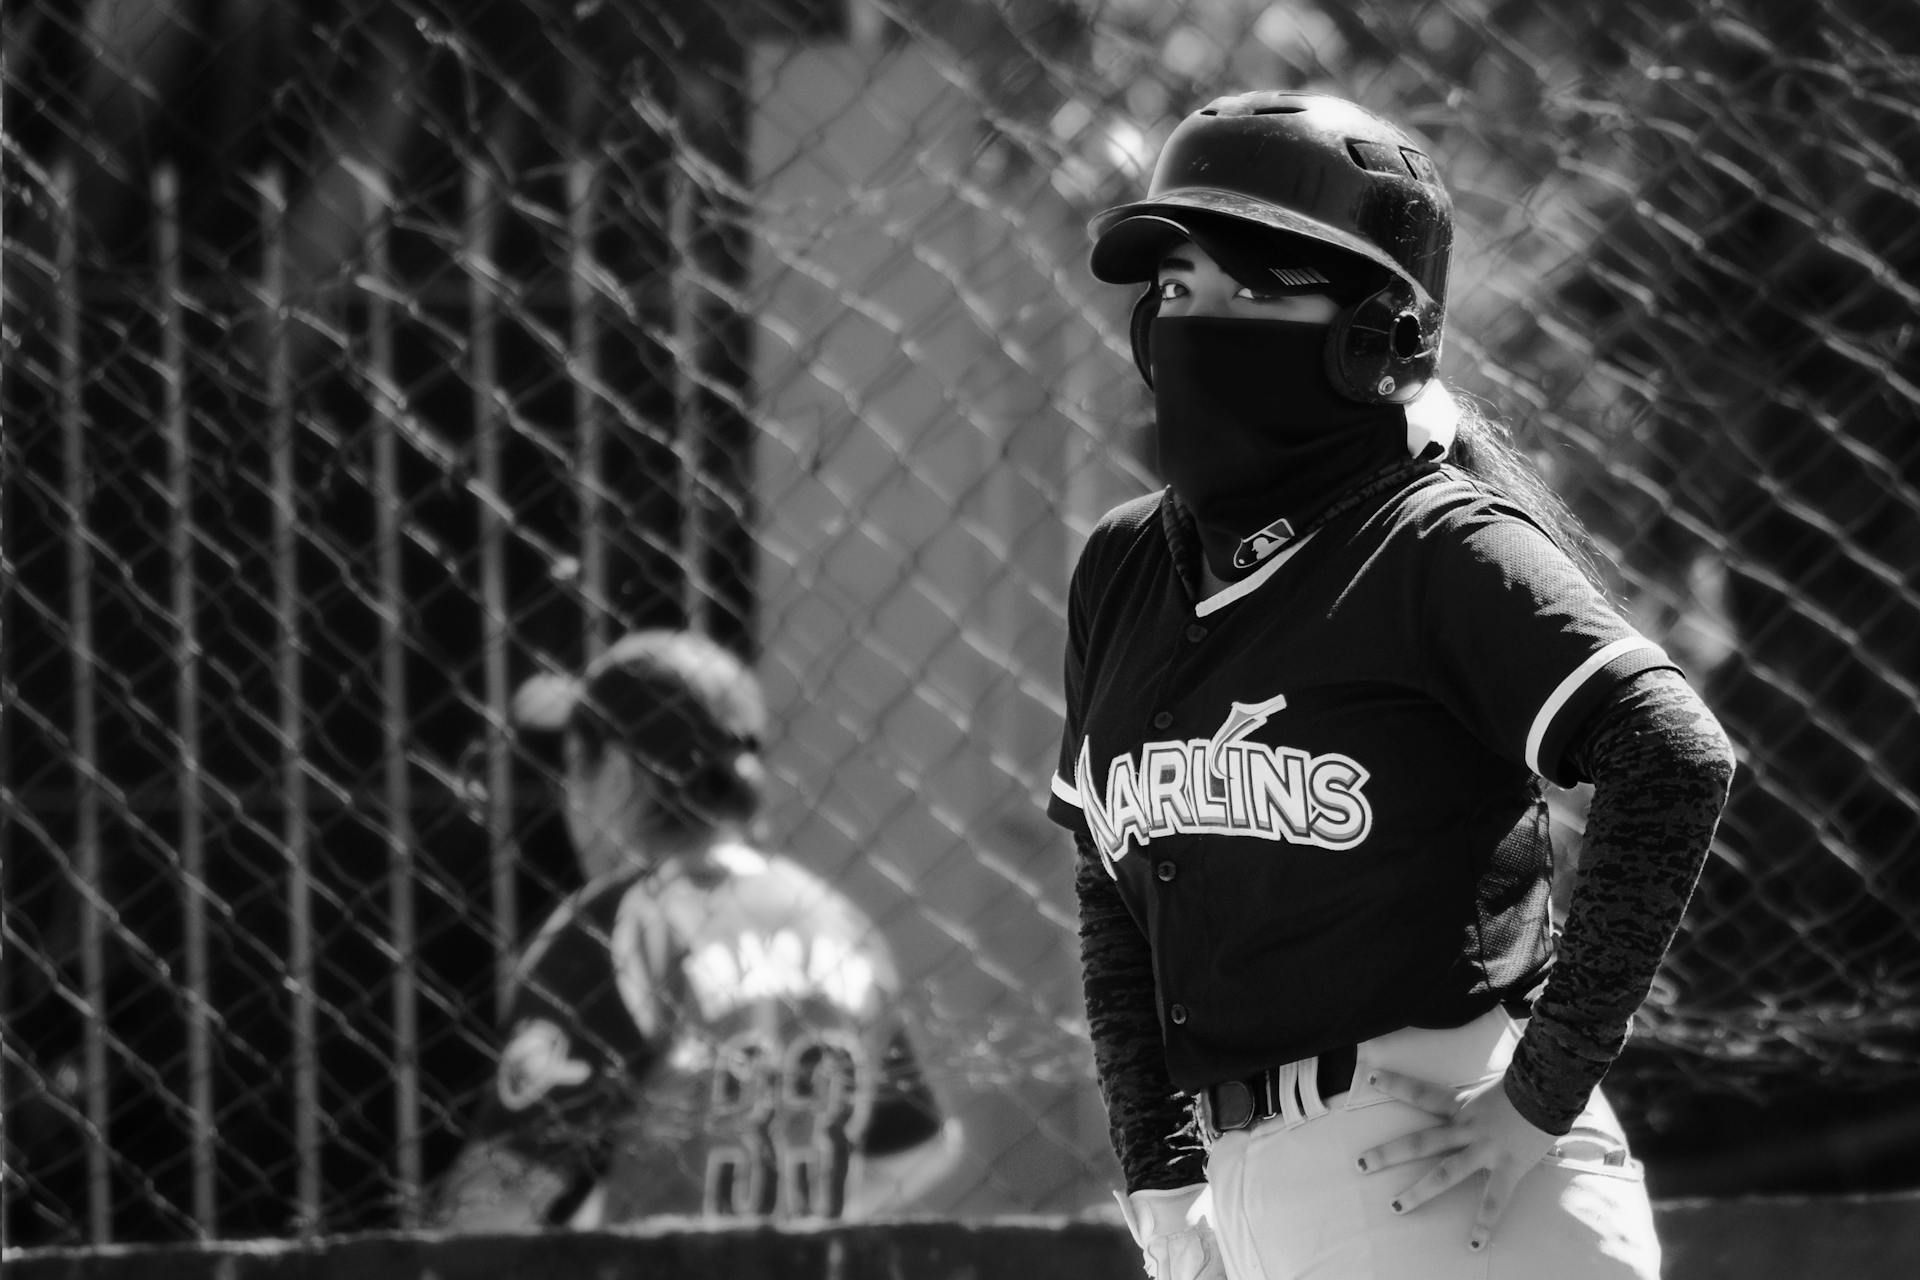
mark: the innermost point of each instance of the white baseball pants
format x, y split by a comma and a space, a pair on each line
1288, 1202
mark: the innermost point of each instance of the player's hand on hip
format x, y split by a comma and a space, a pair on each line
1175, 1233
1480, 1132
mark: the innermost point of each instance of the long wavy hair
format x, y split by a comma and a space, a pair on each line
1483, 447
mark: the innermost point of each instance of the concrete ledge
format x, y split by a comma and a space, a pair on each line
1772, 1238
1018, 1249
1873, 1237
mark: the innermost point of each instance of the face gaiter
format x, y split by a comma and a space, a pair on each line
1251, 432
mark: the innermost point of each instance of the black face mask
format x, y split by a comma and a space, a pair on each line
1252, 435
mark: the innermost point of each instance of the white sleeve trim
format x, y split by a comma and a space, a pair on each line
1563, 693
1066, 792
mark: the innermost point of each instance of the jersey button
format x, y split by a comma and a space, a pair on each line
1163, 720
1165, 871
1179, 1014
1196, 633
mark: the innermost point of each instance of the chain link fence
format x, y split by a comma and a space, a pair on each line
362, 359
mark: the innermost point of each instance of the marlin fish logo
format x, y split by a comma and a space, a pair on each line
1242, 720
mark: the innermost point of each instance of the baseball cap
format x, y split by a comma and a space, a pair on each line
676, 699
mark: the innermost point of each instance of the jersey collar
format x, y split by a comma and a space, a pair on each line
1252, 582
1183, 543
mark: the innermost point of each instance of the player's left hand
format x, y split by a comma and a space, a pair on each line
1481, 1132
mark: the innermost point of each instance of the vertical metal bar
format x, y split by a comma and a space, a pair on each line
286, 609
481, 217
689, 423
393, 718
186, 659
714, 341
86, 745
6, 694
589, 483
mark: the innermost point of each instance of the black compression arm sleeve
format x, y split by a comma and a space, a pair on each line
1147, 1119
1660, 766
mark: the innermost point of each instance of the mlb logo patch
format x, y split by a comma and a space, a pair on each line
1257, 546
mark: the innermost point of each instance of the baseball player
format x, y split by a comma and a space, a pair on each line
705, 1028
1313, 690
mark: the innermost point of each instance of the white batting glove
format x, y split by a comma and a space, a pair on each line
1173, 1232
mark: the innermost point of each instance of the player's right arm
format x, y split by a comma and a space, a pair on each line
1129, 1056
1116, 962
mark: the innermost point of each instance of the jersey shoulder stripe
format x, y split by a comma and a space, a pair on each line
1576, 679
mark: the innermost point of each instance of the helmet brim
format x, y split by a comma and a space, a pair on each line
1130, 239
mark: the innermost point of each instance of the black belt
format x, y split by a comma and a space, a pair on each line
1243, 1103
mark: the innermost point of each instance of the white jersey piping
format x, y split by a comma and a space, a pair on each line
1563, 693
1252, 582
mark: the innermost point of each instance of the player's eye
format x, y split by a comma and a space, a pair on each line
1168, 290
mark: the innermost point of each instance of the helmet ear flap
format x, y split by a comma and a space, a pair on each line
1140, 331
1385, 348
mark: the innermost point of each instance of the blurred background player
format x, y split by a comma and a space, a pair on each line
704, 1028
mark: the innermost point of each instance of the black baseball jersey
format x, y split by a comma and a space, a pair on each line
718, 1038
1316, 789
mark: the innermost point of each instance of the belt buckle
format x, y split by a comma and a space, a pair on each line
1230, 1106
1241, 1104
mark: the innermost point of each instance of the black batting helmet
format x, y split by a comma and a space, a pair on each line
1273, 181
